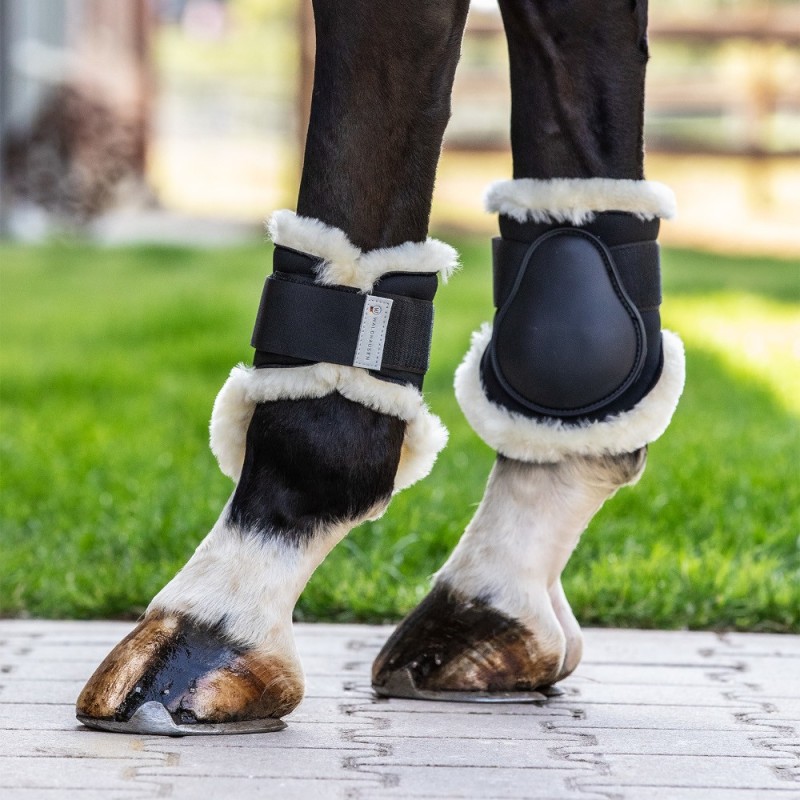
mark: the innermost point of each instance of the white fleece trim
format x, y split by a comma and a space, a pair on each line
425, 434
576, 200
345, 264
542, 441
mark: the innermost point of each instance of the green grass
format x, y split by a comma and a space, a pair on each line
110, 360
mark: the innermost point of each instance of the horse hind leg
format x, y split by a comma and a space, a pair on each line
315, 448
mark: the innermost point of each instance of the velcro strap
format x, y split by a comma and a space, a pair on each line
338, 325
637, 264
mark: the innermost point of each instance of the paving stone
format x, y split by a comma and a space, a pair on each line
650, 714
478, 782
76, 743
313, 709
637, 694
761, 644
619, 646
84, 793
24, 668
39, 692
38, 718
72, 773
296, 737
655, 675
693, 771
638, 792
463, 726
201, 788
714, 718
271, 761
61, 629
470, 753
622, 741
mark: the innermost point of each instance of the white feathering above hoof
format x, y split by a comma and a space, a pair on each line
577, 200
551, 440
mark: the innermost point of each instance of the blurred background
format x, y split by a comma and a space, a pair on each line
143, 142
109, 111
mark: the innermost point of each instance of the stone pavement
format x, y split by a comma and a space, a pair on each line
653, 715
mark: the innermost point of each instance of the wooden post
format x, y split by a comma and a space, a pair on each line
113, 43
306, 35
145, 78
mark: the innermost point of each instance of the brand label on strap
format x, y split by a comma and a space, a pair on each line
372, 334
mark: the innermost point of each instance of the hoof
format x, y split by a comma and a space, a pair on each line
174, 677
453, 648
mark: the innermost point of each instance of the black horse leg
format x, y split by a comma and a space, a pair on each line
316, 448
577, 87
572, 381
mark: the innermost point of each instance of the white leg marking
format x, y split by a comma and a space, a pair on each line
524, 531
248, 581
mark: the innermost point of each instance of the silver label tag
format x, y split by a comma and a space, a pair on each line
372, 335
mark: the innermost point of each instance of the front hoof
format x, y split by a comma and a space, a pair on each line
454, 648
172, 676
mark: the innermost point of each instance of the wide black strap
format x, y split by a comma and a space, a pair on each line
639, 267
339, 325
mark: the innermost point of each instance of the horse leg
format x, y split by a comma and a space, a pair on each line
574, 378
316, 448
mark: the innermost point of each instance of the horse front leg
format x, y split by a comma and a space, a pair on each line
573, 379
317, 438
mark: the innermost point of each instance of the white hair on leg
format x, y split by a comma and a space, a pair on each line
250, 582
524, 531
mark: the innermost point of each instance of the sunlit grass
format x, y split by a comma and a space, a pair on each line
753, 336
110, 360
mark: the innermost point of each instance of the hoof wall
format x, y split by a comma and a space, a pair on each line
173, 677
460, 649
153, 719
401, 684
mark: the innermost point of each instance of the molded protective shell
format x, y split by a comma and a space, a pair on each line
568, 339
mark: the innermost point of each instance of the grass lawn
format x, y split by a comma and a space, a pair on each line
110, 360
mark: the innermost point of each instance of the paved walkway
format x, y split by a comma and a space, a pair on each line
651, 715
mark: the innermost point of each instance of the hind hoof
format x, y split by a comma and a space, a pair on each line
174, 677
453, 648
